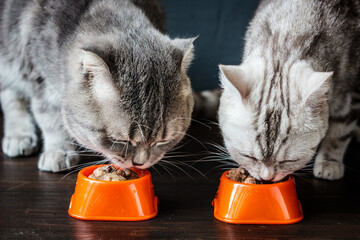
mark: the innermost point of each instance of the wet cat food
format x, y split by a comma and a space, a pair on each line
110, 173
241, 175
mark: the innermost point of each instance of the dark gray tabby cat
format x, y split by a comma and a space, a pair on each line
296, 89
100, 72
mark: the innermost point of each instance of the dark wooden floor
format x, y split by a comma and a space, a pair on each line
34, 204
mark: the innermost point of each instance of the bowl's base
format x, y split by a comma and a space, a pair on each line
242, 203
259, 220
111, 218
131, 200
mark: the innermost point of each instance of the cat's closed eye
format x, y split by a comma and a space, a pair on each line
161, 143
288, 161
121, 142
248, 156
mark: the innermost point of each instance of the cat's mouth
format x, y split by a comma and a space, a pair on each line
242, 175
127, 164
275, 178
280, 177
120, 163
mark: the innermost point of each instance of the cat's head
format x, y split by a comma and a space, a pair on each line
273, 120
131, 102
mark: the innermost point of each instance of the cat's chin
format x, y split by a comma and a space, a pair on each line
142, 167
121, 164
279, 177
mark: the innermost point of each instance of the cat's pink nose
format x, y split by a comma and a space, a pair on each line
266, 174
268, 179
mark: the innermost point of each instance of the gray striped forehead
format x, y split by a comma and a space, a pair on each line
148, 77
273, 106
271, 97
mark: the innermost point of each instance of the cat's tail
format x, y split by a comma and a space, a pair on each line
206, 103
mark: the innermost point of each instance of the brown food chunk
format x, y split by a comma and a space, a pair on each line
241, 175
110, 173
238, 174
250, 180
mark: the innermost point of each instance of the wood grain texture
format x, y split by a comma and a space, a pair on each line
34, 204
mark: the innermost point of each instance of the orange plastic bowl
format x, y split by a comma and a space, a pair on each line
243, 203
132, 200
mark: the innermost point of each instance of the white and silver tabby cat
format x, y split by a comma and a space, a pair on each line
100, 72
296, 92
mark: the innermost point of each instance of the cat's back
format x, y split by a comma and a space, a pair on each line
320, 31
64, 17
23, 22
36, 34
298, 17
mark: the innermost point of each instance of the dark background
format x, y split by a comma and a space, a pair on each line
221, 27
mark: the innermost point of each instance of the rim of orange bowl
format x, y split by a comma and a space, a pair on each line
146, 174
290, 179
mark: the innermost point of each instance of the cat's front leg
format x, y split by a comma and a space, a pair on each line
19, 128
329, 160
59, 152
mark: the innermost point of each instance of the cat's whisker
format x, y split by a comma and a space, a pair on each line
153, 167
173, 152
87, 163
172, 164
212, 122
166, 169
179, 146
177, 156
214, 158
85, 151
81, 166
223, 169
127, 145
304, 178
188, 135
195, 169
219, 166
112, 145
80, 147
75, 144
193, 120
146, 126
183, 154
218, 147
217, 156
82, 155
141, 132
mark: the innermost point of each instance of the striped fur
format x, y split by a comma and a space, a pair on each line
295, 88
100, 72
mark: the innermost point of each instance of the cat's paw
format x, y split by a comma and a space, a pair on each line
57, 161
330, 170
14, 146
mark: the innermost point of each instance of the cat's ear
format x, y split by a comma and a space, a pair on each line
94, 64
312, 85
99, 75
234, 77
186, 46
315, 88
318, 82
